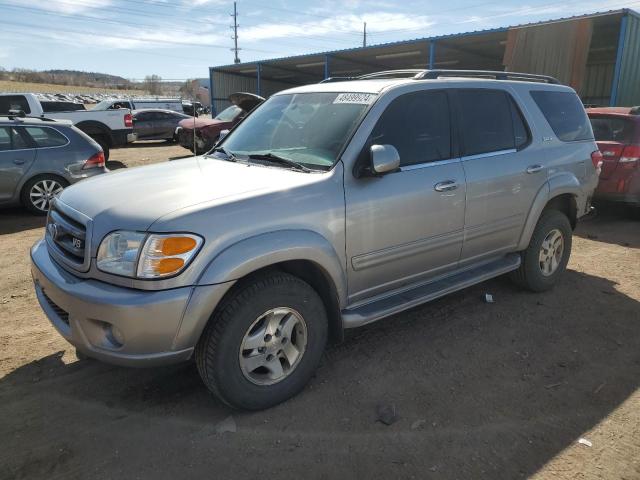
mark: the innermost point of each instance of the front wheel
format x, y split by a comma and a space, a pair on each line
548, 253
264, 343
39, 191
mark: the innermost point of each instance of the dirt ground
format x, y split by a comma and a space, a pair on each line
502, 390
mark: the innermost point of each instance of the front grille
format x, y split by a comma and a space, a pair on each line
62, 314
68, 235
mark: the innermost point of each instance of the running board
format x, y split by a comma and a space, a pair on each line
384, 307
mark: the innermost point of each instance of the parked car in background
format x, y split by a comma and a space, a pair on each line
193, 109
157, 124
110, 129
39, 158
207, 130
174, 104
617, 131
329, 207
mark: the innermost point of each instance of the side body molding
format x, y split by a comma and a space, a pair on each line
254, 253
558, 184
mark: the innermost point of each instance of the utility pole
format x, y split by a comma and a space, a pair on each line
364, 39
235, 48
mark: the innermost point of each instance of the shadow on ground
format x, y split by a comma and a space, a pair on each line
481, 390
18, 219
611, 224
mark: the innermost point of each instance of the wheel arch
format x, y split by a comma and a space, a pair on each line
560, 193
302, 253
92, 127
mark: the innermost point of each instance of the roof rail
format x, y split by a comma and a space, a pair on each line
408, 73
337, 79
497, 75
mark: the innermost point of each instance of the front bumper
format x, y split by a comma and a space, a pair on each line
121, 325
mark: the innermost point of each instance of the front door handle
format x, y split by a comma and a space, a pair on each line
445, 186
18, 161
534, 168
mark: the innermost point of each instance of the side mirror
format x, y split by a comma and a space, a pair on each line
384, 158
223, 133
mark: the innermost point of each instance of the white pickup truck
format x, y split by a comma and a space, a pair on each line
109, 128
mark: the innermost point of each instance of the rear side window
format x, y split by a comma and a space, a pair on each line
14, 102
611, 129
46, 137
5, 139
565, 114
489, 122
418, 125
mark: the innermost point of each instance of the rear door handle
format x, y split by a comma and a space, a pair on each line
534, 168
18, 161
445, 186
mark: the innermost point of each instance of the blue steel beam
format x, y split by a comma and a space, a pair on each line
618, 67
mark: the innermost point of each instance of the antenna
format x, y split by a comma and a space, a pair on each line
235, 26
364, 39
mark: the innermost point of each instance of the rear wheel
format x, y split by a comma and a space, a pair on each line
104, 144
548, 253
264, 343
39, 191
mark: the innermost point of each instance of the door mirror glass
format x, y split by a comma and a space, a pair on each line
384, 158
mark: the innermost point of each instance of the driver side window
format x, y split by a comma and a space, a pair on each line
417, 124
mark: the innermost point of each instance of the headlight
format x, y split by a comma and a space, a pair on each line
135, 254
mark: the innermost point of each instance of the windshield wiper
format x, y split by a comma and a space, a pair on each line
230, 156
271, 157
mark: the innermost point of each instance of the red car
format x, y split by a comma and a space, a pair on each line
208, 129
617, 131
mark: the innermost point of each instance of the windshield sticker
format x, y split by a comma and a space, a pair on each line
355, 98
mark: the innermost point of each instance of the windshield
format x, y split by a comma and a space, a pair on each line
228, 114
307, 128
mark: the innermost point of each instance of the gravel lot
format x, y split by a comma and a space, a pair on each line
501, 390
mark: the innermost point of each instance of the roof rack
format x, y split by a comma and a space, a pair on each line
417, 74
497, 75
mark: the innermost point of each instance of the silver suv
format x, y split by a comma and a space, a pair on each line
329, 207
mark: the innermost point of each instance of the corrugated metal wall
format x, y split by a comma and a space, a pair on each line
596, 87
629, 84
224, 84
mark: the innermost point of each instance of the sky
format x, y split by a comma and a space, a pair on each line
180, 39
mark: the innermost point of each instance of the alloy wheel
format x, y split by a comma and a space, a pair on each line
551, 252
43, 192
273, 346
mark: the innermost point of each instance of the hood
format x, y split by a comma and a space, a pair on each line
135, 198
246, 101
200, 122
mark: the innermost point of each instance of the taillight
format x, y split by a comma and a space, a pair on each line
128, 120
630, 156
94, 161
597, 158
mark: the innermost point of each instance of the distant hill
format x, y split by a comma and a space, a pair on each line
74, 78
89, 77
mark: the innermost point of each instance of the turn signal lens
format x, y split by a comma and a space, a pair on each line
165, 255
169, 246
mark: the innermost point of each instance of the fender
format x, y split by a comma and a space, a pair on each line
254, 253
93, 127
558, 184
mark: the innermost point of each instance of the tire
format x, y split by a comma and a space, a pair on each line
223, 350
39, 186
102, 141
531, 274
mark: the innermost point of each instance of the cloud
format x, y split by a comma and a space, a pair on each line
66, 6
380, 22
